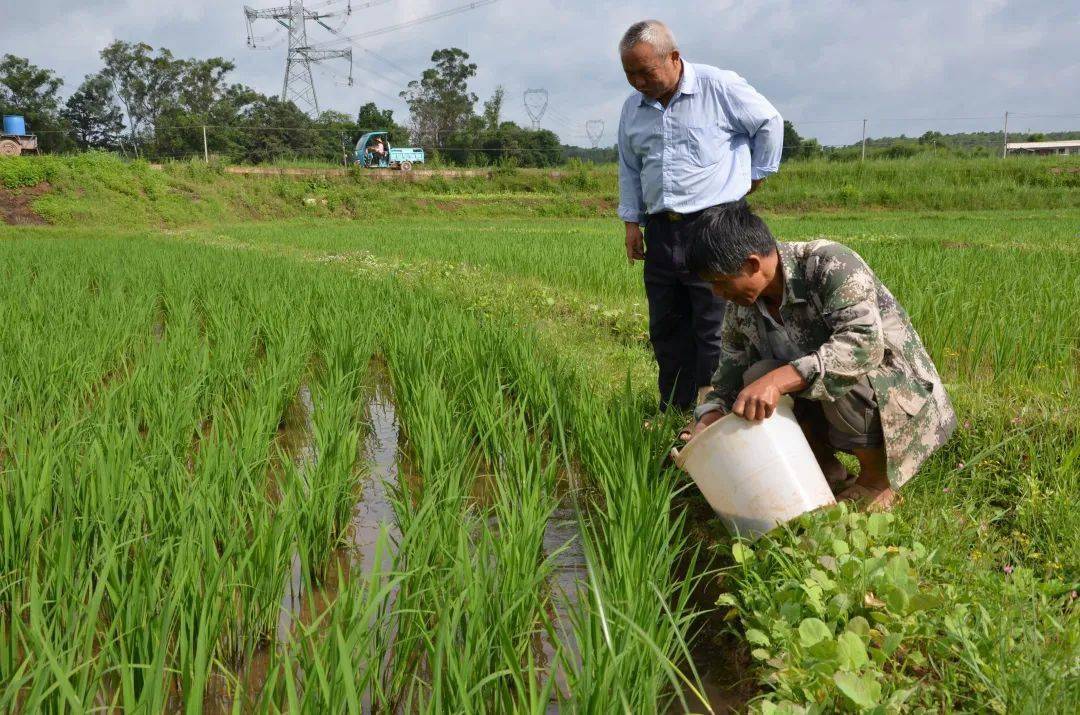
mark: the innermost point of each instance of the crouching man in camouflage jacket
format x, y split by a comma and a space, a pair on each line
812, 320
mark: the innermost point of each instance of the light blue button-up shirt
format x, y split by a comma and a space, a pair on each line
716, 134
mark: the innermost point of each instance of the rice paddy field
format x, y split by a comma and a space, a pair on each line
398, 464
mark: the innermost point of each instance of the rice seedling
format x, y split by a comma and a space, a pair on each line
152, 514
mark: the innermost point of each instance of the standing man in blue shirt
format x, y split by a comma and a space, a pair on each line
691, 137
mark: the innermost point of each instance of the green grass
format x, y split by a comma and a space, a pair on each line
97, 188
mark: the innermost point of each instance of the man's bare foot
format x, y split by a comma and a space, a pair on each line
836, 474
869, 497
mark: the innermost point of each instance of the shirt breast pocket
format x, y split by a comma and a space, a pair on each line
704, 144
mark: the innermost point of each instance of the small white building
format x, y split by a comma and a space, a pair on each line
1069, 146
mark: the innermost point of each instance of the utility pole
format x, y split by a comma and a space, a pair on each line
205, 150
863, 140
298, 85
1005, 140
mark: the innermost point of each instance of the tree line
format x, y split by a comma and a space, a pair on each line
151, 104
146, 102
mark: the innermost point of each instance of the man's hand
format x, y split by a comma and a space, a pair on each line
754, 184
635, 243
758, 400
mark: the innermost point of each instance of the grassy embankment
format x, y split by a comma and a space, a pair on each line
964, 600
98, 188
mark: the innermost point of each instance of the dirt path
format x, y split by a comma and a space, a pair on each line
15, 205
371, 174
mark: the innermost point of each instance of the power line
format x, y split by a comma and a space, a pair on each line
389, 63
418, 20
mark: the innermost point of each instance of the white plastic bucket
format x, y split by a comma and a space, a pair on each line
756, 475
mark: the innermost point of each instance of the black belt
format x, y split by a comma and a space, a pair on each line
674, 216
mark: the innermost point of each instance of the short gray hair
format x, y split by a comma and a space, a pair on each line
652, 32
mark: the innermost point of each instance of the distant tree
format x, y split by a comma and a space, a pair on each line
27, 88
33, 92
372, 119
1036, 137
440, 102
597, 155
546, 149
336, 138
508, 143
795, 147
493, 108
272, 129
95, 119
201, 84
146, 84
227, 115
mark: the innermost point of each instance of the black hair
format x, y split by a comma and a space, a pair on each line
723, 237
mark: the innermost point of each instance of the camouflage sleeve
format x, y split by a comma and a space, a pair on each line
847, 297
737, 354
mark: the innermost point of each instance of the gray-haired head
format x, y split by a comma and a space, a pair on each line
723, 237
651, 32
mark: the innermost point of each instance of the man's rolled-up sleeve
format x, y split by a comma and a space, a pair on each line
631, 199
857, 343
756, 116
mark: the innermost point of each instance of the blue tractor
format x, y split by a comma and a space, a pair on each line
14, 140
373, 151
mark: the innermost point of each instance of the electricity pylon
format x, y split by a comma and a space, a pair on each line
298, 85
536, 102
594, 129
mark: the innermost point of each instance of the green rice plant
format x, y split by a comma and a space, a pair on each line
632, 621
330, 477
338, 653
151, 510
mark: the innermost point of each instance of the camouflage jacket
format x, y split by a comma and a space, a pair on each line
848, 325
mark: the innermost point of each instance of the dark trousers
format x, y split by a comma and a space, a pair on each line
684, 315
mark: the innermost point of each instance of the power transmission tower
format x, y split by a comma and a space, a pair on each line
298, 85
594, 129
536, 102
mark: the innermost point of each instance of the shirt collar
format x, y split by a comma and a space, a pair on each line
687, 85
794, 274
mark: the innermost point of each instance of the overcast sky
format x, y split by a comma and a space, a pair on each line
956, 65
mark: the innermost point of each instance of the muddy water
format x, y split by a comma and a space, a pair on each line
298, 441
375, 511
561, 539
